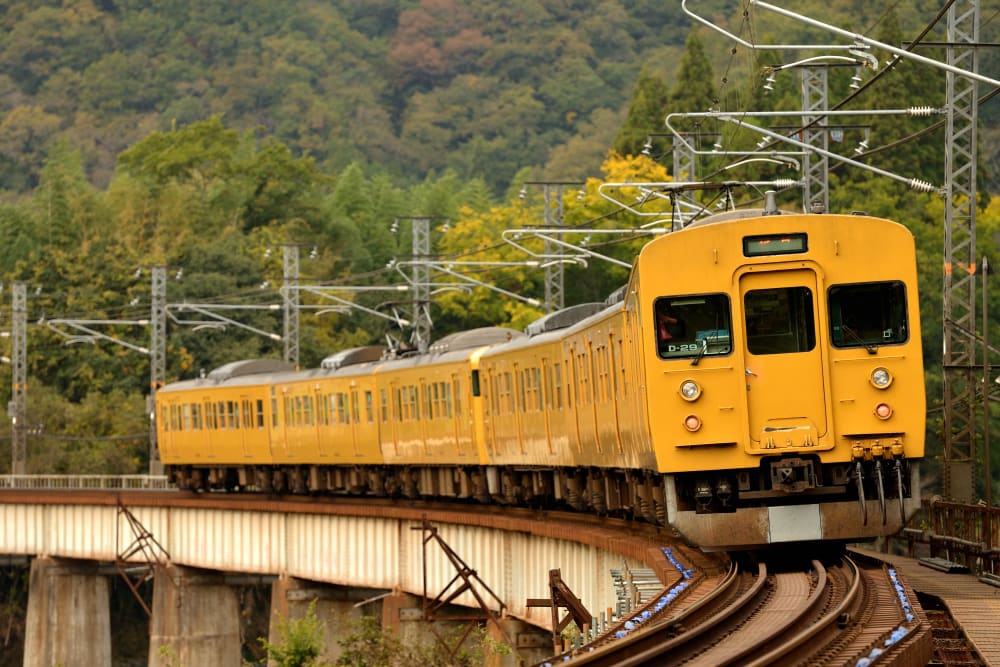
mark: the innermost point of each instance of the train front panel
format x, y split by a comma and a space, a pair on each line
784, 377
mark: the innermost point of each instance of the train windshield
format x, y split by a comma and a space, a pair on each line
780, 320
868, 314
692, 326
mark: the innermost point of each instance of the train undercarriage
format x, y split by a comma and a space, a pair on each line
852, 500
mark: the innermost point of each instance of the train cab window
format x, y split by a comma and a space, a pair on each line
693, 326
868, 314
780, 320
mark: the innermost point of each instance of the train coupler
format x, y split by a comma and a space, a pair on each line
876, 452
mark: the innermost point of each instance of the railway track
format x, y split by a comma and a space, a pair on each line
775, 611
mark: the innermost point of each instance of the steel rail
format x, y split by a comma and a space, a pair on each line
804, 636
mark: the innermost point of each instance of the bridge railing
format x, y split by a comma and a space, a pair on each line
62, 482
968, 535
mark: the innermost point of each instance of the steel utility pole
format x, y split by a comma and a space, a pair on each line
290, 297
554, 216
157, 360
959, 360
815, 164
421, 284
19, 380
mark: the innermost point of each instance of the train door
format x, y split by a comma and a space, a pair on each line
548, 403
246, 425
355, 425
278, 418
573, 394
785, 376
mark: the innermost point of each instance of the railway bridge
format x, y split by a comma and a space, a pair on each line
434, 572
404, 564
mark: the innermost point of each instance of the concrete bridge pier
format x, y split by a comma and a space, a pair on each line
339, 608
195, 619
531, 644
68, 622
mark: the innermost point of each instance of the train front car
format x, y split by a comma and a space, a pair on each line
784, 377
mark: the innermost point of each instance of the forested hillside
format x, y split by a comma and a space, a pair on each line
484, 88
207, 137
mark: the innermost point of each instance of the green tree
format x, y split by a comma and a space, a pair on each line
301, 641
694, 87
645, 114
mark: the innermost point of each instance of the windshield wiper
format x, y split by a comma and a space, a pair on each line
870, 348
701, 353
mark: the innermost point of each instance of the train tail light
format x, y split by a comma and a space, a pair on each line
883, 411
692, 423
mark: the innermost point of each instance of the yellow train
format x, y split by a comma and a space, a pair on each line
758, 381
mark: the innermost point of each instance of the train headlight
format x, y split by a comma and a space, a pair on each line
690, 391
881, 378
692, 423
883, 411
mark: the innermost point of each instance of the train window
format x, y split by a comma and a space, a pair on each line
231, 414
868, 314
780, 320
446, 400
693, 326
260, 413
458, 395
342, 416
432, 408
247, 408
355, 410
307, 404
369, 407
557, 381
322, 410
414, 402
165, 418
274, 412
384, 405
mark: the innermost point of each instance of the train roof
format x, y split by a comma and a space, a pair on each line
564, 318
353, 356
244, 367
481, 337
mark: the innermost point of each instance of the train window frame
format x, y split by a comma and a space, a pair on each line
846, 302
762, 336
693, 326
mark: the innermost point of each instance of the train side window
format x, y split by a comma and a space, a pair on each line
780, 320
260, 413
558, 382
384, 405
692, 326
369, 407
868, 314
